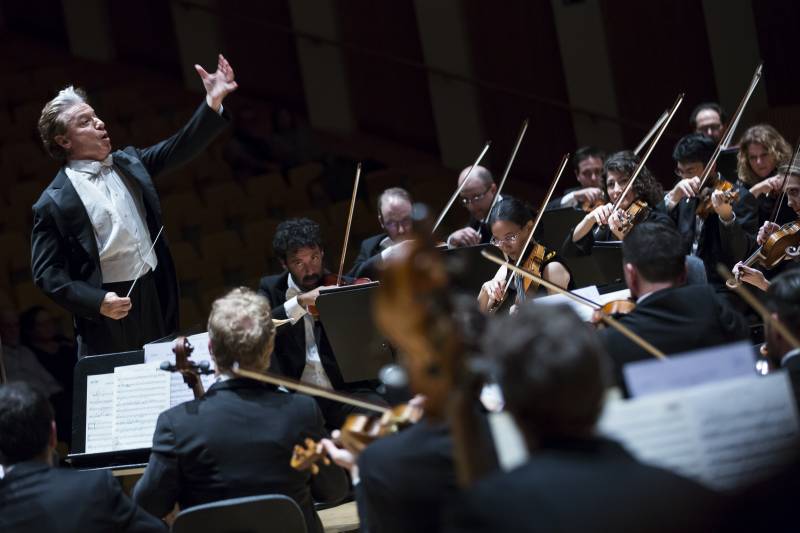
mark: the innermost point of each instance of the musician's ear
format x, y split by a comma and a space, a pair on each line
631, 278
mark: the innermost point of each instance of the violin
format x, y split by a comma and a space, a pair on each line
780, 245
338, 281
637, 212
588, 206
357, 432
534, 264
189, 370
705, 206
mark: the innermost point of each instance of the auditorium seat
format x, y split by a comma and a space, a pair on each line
254, 514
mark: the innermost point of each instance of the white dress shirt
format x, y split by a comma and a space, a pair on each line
117, 213
314, 372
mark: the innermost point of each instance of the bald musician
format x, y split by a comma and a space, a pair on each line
394, 216
237, 440
477, 197
550, 368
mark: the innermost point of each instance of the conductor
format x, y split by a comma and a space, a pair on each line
96, 227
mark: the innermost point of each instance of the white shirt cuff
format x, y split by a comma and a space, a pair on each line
294, 310
568, 200
669, 203
728, 222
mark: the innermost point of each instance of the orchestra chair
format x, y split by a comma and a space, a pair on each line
252, 514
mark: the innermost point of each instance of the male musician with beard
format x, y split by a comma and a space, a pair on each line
587, 163
703, 237
783, 299
394, 216
477, 197
671, 315
237, 439
302, 349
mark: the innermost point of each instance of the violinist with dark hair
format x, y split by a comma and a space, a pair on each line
704, 234
604, 223
551, 370
511, 222
671, 315
302, 349
587, 163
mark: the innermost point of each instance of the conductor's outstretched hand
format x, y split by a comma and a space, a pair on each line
218, 84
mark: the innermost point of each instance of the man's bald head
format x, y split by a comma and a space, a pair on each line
478, 191
478, 175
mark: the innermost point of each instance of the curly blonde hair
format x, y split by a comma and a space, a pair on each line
771, 140
240, 330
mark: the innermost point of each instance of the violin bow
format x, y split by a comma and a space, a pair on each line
728, 137
611, 321
650, 133
559, 173
734, 122
305, 388
777, 207
522, 131
347, 228
649, 151
460, 187
759, 308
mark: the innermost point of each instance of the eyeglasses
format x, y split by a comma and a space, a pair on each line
395, 225
709, 128
466, 200
508, 239
686, 173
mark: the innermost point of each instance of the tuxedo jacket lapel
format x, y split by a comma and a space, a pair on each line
74, 217
133, 168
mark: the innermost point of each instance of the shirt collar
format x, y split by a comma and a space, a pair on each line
90, 166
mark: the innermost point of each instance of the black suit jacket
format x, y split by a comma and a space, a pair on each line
36, 497
65, 260
236, 441
584, 486
406, 479
675, 320
711, 248
289, 356
368, 261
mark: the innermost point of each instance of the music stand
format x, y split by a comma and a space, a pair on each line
602, 267
346, 313
468, 269
90, 366
555, 225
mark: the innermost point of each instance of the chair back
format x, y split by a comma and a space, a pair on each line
268, 513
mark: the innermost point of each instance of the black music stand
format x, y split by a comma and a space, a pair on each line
90, 366
555, 225
346, 313
602, 267
468, 269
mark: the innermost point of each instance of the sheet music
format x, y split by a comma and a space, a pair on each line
585, 312
141, 393
723, 434
99, 412
679, 371
162, 351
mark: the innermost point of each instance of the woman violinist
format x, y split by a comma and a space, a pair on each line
511, 223
761, 151
612, 225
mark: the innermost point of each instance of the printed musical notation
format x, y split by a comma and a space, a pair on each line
141, 393
99, 412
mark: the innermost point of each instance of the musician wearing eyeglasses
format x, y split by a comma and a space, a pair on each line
703, 235
587, 163
476, 196
394, 217
511, 222
708, 119
604, 223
